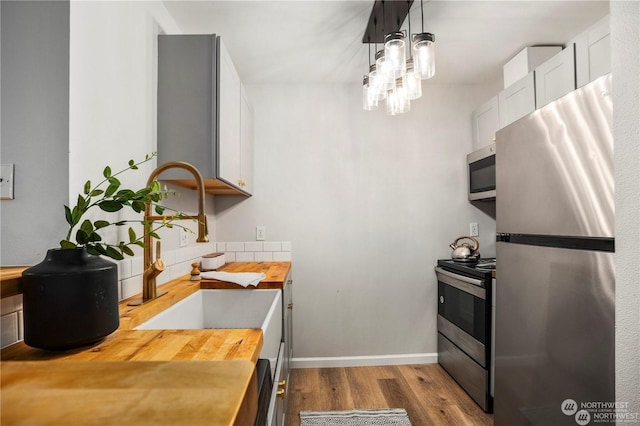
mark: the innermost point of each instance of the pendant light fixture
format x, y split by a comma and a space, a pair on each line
395, 74
423, 51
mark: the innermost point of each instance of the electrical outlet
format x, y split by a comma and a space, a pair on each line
184, 238
261, 233
473, 229
6, 181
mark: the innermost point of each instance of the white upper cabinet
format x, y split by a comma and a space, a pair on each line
556, 77
246, 143
517, 100
486, 122
229, 126
593, 52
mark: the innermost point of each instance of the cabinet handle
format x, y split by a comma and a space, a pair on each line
290, 282
242, 183
281, 393
290, 306
282, 384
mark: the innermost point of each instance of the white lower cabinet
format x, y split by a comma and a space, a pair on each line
517, 100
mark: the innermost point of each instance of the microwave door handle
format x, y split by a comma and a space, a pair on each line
466, 284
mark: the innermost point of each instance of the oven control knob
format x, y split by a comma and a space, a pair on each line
441, 299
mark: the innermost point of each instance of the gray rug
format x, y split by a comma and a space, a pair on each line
382, 417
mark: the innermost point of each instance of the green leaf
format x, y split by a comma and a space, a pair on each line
98, 224
110, 205
93, 250
114, 184
139, 243
82, 203
120, 223
87, 187
82, 237
96, 192
132, 235
114, 254
87, 226
131, 163
107, 172
159, 209
126, 250
93, 237
65, 244
154, 235
138, 206
67, 215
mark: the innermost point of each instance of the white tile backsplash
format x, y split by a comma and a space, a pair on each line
244, 256
235, 246
263, 256
286, 246
221, 247
282, 256
253, 246
272, 246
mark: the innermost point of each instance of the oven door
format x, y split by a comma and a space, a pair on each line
462, 313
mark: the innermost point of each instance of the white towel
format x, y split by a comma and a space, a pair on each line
242, 278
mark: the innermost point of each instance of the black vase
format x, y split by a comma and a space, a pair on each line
70, 300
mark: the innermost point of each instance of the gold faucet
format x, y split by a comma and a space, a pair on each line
153, 268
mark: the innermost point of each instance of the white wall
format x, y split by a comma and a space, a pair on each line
369, 202
625, 39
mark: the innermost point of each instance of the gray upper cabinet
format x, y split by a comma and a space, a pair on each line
201, 114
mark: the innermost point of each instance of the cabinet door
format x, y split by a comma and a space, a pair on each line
593, 53
275, 416
486, 122
556, 77
229, 120
246, 143
517, 100
287, 332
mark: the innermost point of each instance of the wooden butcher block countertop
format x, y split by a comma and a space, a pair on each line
159, 390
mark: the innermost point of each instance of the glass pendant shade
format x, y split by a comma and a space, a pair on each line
369, 102
412, 84
424, 55
394, 54
377, 88
397, 100
382, 65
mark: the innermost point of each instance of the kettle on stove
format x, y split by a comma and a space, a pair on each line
465, 252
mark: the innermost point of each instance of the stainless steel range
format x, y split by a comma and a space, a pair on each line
464, 325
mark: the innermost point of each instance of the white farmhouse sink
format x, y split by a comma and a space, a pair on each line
227, 309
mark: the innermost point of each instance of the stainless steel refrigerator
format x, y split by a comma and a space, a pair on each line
554, 353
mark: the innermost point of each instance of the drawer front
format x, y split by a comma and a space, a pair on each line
473, 378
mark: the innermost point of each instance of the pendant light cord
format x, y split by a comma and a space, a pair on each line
409, 35
422, 13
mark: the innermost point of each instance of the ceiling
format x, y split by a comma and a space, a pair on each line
320, 41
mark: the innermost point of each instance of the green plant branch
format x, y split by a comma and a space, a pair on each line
113, 199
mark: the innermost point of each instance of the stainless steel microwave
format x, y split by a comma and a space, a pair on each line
481, 173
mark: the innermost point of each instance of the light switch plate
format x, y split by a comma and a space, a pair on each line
6, 181
473, 229
184, 238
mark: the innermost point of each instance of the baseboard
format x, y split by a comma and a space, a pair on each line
364, 361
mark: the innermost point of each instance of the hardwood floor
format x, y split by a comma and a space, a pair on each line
427, 392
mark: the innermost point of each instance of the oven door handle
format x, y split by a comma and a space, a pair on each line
466, 284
